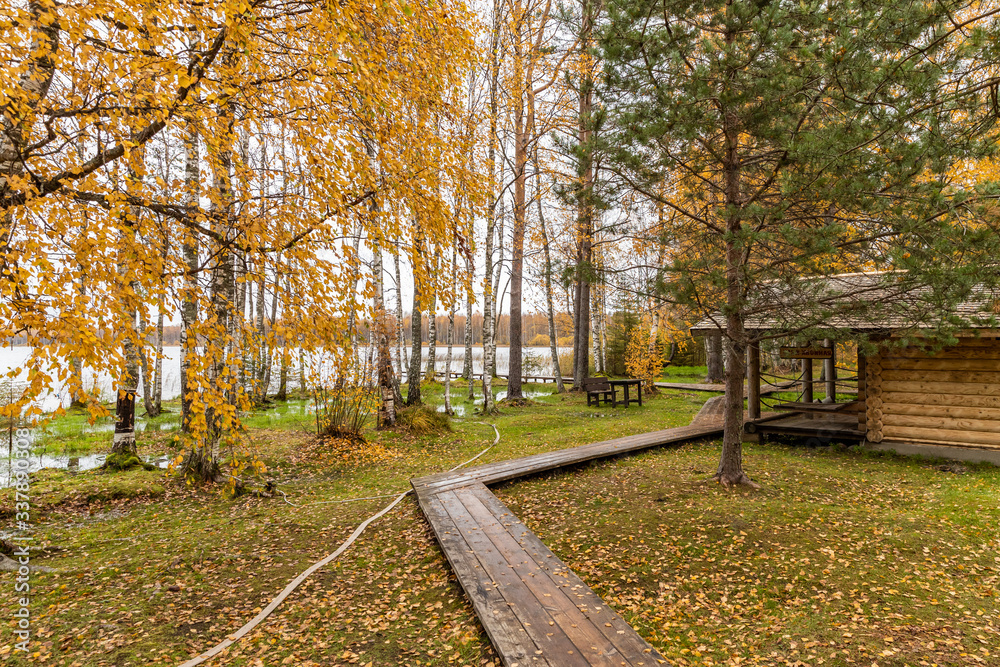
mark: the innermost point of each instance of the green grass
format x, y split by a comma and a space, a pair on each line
842, 558
702, 573
690, 374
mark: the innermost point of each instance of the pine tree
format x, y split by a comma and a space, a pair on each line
793, 140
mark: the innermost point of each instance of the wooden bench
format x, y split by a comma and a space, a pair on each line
599, 389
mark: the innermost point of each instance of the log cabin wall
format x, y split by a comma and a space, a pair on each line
951, 398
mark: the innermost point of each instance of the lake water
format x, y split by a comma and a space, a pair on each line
538, 359
539, 362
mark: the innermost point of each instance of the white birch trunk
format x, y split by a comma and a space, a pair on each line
401, 360
432, 338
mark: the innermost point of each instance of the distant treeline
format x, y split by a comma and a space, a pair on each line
535, 327
536, 330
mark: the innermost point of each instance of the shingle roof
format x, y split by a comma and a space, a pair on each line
861, 302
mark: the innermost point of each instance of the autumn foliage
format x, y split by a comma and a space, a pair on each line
164, 156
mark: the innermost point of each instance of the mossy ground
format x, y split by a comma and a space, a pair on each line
892, 560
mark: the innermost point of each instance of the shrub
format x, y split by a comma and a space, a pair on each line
422, 420
343, 411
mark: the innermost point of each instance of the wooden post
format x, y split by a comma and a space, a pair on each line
862, 390
830, 372
807, 380
753, 380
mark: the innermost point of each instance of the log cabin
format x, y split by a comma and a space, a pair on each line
907, 397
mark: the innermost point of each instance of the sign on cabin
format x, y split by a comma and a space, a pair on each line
806, 353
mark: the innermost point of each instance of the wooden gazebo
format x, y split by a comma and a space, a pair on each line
905, 397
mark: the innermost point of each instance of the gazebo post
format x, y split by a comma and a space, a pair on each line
830, 372
753, 380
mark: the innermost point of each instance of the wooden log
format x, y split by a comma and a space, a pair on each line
943, 423
987, 377
948, 353
950, 411
920, 398
963, 388
942, 443
981, 341
961, 438
873, 399
972, 364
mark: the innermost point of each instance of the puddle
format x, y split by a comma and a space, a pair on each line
71, 463
527, 394
107, 425
279, 410
463, 409
457, 409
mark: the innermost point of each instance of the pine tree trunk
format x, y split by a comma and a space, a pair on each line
730, 472
595, 327
585, 212
581, 333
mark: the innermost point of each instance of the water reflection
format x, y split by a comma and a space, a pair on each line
461, 409
73, 464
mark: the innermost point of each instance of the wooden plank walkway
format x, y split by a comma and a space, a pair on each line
535, 610
541, 379
721, 388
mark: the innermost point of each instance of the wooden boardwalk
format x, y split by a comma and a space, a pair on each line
721, 388
541, 379
535, 610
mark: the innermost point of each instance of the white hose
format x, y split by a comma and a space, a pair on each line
255, 621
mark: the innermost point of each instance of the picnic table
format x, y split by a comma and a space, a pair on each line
625, 384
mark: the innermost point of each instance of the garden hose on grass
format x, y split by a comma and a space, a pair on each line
256, 620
